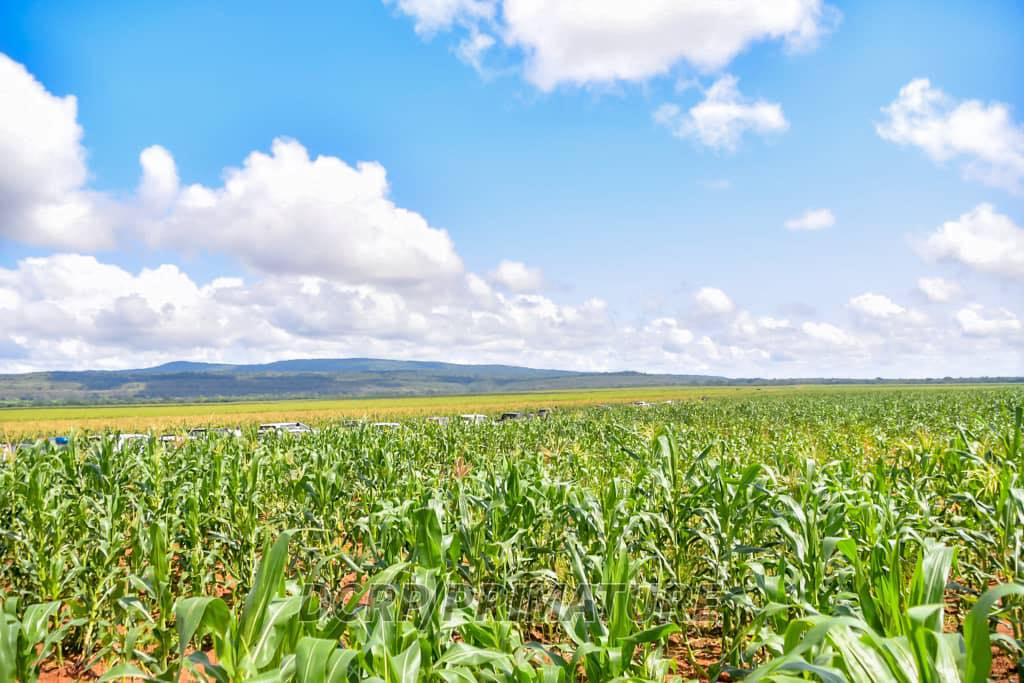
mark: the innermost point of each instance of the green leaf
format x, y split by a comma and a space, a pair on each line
429, 551
200, 615
977, 639
655, 634
268, 580
462, 654
337, 667
929, 583
863, 663
405, 667
312, 656
275, 619
35, 622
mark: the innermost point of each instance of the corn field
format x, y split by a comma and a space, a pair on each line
854, 536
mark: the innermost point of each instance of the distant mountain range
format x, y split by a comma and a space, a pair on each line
185, 381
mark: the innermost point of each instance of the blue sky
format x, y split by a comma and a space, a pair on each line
633, 235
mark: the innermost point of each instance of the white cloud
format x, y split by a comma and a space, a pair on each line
517, 276
435, 15
722, 118
713, 301
730, 353
287, 213
159, 185
767, 322
72, 311
984, 137
828, 333
748, 326
876, 306
335, 268
472, 48
812, 219
281, 213
43, 199
587, 42
976, 321
79, 312
670, 334
981, 239
938, 289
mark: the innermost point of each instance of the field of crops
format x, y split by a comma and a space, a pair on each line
848, 535
16, 423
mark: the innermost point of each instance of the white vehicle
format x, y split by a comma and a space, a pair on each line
294, 428
129, 440
203, 432
438, 419
642, 404
386, 425
473, 418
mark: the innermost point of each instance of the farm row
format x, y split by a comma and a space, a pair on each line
19, 423
123, 440
852, 535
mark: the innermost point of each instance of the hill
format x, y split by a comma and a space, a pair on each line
186, 381
182, 381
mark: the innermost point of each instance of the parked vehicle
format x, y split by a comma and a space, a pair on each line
206, 432
293, 428
130, 441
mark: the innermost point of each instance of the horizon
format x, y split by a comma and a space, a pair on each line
818, 190
727, 378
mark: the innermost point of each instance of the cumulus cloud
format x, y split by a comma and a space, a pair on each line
471, 49
828, 333
938, 289
434, 15
721, 119
517, 276
43, 196
73, 311
747, 326
976, 321
812, 219
713, 301
80, 312
673, 336
75, 301
335, 268
159, 185
876, 306
983, 137
981, 239
587, 42
286, 212
283, 213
